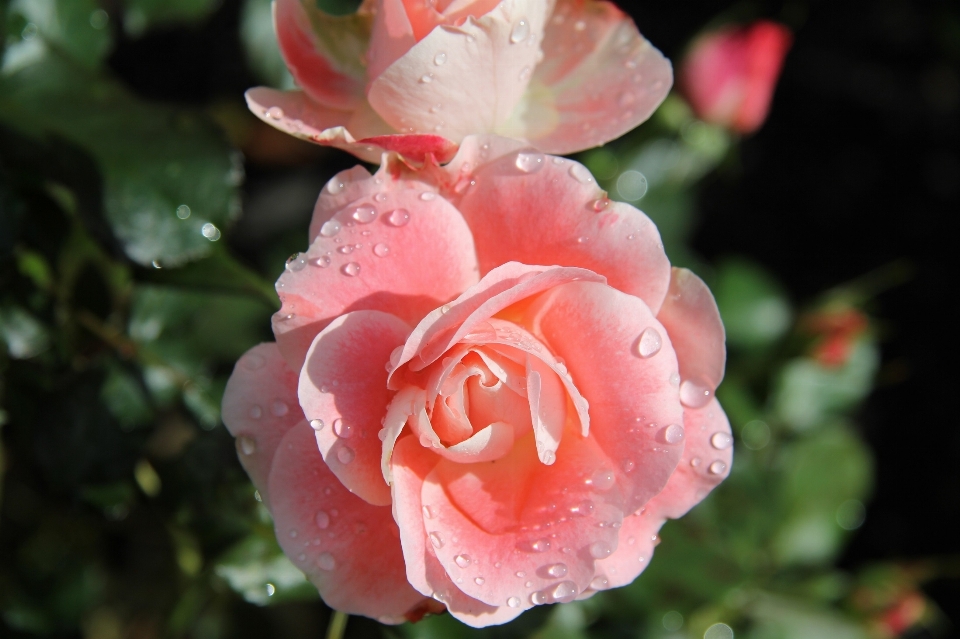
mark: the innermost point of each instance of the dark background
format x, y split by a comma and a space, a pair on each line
857, 167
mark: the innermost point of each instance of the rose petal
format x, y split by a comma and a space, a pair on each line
691, 317
487, 444
259, 407
343, 393
307, 63
411, 464
406, 269
348, 548
599, 79
392, 36
633, 554
462, 80
635, 413
536, 209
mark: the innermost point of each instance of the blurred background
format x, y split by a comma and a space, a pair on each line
144, 215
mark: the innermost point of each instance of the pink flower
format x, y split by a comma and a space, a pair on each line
417, 77
729, 75
509, 387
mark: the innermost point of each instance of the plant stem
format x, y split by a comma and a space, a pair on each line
338, 623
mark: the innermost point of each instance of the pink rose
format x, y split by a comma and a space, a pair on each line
509, 387
416, 77
729, 75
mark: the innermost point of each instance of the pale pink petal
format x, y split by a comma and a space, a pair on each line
518, 531
392, 36
538, 209
487, 444
638, 538
307, 63
635, 412
348, 548
691, 317
411, 465
599, 79
343, 393
401, 251
466, 79
259, 407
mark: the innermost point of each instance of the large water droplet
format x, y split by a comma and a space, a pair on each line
440, 59
695, 393
520, 31
564, 591
345, 455
673, 434
462, 560
513, 602
342, 429
436, 540
296, 262
364, 214
599, 583
326, 561
399, 217
351, 270
247, 445
321, 262
529, 161
316, 424
717, 467
580, 173
322, 519
538, 598
721, 440
381, 250
557, 570
541, 545
600, 550
330, 228
649, 343
479, 581
602, 480
275, 113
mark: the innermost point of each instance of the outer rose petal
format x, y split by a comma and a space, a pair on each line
343, 392
404, 270
259, 407
599, 79
348, 548
466, 79
635, 412
306, 62
411, 464
692, 318
538, 209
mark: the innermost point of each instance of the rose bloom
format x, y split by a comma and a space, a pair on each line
489, 389
417, 76
729, 75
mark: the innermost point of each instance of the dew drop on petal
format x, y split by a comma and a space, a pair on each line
330, 228
426, 78
279, 408
426, 196
538, 598
673, 434
529, 161
541, 545
600, 550
717, 467
399, 217
381, 250
600, 204
599, 583
462, 560
275, 113
580, 173
721, 440
345, 455
246, 445
321, 262
364, 214
326, 561
436, 540
513, 602
520, 31
255, 412
649, 343
479, 581
342, 429
694, 394
322, 519
427, 512
351, 270
316, 424
602, 480
564, 591
557, 570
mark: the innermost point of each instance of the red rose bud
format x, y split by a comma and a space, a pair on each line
838, 331
729, 75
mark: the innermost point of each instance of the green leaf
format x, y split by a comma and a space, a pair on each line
258, 570
76, 28
170, 178
755, 311
25, 337
141, 15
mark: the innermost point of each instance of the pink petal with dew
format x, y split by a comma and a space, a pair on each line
691, 317
343, 393
309, 67
599, 79
706, 461
411, 465
399, 250
259, 407
621, 360
348, 548
465, 79
533, 208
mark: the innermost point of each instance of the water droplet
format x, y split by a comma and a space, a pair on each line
279, 408
529, 161
585, 507
316, 424
345, 455
247, 445
427, 512
674, 379
717, 467
602, 480
351, 270
462, 560
479, 581
579, 25
538, 598
557, 570
364, 214
600, 204
426, 78
399, 217
436, 540
521, 574
326, 561
275, 113
440, 59
183, 211
541, 545
380, 197
695, 462
626, 99
381, 250
580, 173
655, 539
599, 583
347, 249
255, 412
322, 519
334, 186
520, 31
426, 196
445, 309
628, 466
564, 591
321, 262
296, 262
330, 228
524, 74
694, 394
721, 440
673, 434
548, 457
342, 429
513, 602
649, 343
600, 550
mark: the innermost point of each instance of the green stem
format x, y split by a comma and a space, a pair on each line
338, 623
